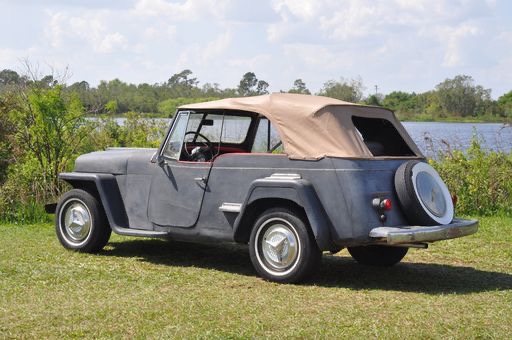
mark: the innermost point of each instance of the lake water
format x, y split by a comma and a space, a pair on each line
434, 137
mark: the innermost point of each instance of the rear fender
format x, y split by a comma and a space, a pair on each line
290, 189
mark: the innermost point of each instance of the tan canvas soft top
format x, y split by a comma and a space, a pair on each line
311, 127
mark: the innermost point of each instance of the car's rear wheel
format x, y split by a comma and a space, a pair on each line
282, 248
381, 256
80, 222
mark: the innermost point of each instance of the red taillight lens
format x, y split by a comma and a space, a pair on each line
386, 204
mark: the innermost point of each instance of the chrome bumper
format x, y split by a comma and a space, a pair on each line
417, 234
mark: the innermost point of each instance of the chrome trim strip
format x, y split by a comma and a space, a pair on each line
416, 234
231, 207
283, 177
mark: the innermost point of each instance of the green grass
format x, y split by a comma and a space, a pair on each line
138, 288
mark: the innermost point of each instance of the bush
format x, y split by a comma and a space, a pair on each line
24, 192
481, 180
134, 130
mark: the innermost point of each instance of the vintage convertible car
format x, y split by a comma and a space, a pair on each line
291, 175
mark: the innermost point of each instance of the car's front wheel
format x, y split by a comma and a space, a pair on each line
282, 248
81, 223
382, 256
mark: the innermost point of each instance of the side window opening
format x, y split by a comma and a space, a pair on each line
381, 137
267, 138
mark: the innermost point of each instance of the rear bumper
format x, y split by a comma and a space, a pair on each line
417, 234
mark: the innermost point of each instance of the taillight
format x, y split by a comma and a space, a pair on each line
382, 205
386, 204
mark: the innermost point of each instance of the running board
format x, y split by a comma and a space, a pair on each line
139, 232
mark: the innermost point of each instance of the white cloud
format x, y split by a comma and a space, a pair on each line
54, 30
354, 21
160, 30
253, 63
189, 10
302, 9
454, 38
217, 47
312, 55
91, 27
9, 56
112, 41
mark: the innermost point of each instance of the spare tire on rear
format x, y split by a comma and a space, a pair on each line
423, 196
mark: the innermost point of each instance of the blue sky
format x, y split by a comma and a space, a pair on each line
396, 44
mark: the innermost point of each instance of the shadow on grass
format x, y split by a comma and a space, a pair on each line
335, 271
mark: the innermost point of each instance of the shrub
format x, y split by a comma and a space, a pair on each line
24, 192
481, 180
134, 130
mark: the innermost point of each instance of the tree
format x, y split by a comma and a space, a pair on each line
49, 127
211, 90
183, 85
458, 96
505, 104
410, 103
299, 86
47, 81
374, 99
347, 90
250, 85
247, 84
8, 77
261, 88
7, 103
183, 79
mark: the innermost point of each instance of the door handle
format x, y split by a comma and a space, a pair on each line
200, 179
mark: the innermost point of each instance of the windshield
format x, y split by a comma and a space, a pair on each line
219, 128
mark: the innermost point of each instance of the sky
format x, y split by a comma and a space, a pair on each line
398, 45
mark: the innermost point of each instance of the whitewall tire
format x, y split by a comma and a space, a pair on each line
282, 248
80, 222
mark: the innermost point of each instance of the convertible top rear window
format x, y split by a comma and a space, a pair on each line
381, 137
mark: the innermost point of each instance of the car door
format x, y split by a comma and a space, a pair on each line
177, 187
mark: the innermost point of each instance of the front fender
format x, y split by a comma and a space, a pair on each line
108, 191
289, 188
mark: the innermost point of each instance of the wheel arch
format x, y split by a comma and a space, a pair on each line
105, 189
298, 195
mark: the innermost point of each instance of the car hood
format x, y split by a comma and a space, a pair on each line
117, 161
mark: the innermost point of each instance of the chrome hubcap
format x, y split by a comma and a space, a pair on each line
77, 221
431, 194
279, 246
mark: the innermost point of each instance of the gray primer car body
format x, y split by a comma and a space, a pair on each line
172, 199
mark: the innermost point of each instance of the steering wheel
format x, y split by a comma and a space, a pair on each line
198, 154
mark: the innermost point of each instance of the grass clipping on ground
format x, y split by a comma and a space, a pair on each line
155, 288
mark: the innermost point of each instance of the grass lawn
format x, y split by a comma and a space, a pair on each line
155, 288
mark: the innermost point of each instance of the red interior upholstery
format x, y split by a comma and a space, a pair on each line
222, 149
